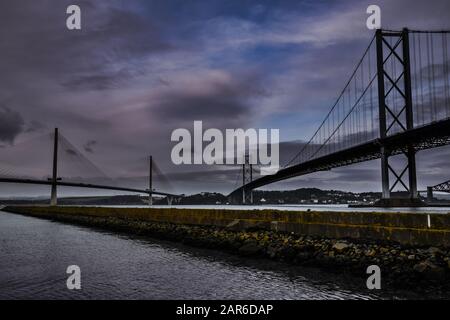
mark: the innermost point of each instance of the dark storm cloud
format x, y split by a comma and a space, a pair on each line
71, 152
35, 126
192, 107
96, 81
138, 69
109, 37
438, 159
89, 146
357, 174
204, 175
11, 125
222, 103
124, 38
47, 70
289, 150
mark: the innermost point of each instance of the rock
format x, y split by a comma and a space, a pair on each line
288, 252
272, 251
434, 251
303, 256
430, 270
306, 248
384, 250
340, 246
435, 272
234, 225
249, 248
420, 267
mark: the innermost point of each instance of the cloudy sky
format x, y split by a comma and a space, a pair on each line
139, 69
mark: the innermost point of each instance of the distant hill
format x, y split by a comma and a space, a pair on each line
107, 200
298, 196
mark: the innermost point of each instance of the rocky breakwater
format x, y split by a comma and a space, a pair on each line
413, 267
406, 267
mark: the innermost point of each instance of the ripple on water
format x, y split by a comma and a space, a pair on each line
36, 253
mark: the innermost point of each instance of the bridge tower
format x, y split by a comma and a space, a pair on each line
393, 50
54, 179
247, 177
150, 182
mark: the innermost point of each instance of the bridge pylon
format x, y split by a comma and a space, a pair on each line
54, 179
394, 88
247, 177
150, 182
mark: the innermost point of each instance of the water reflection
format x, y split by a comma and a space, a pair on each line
35, 254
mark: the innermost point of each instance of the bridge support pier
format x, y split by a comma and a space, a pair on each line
429, 194
385, 194
53, 197
412, 173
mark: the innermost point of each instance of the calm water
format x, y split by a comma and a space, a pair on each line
35, 253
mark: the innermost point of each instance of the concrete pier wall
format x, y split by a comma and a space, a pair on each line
405, 228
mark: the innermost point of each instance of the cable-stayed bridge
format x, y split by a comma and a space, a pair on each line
67, 157
396, 103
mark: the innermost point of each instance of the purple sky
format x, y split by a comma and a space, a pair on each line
139, 69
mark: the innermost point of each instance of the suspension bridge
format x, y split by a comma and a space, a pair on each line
75, 156
395, 104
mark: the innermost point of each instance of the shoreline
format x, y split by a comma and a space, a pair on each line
403, 267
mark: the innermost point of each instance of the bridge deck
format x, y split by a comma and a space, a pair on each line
429, 136
83, 185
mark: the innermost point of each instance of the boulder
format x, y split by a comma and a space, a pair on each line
420, 267
234, 225
435, 251
340, 246
384, 250
429, 269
